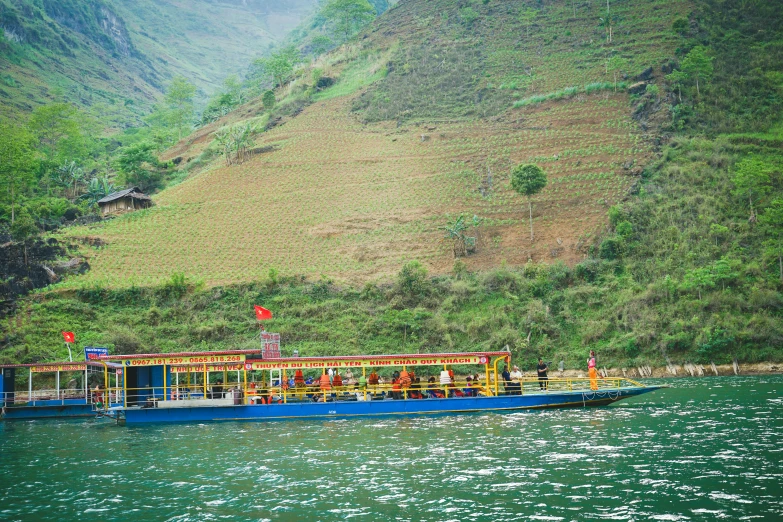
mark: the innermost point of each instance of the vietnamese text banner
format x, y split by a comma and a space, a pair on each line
59, 368
201, 359
199, 368
375, 363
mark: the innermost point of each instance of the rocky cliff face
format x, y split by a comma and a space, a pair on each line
24, 268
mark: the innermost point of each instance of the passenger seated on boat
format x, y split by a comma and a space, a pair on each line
432, 389
337, 381
469, 390
373, 379
416, 389
362, 383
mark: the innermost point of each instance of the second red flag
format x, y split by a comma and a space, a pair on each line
262, 313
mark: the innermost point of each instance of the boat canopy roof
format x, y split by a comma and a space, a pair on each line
64, 366
176, 355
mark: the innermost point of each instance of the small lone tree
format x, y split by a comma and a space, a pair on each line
615, 64
698, 66
751, 179
348, 16
772, 221
279, 66
528, 180
269, 99
180, 100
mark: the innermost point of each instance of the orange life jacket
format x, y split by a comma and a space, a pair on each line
298, 377
337, 380
373, 379
325, 384
396, 385
405, 380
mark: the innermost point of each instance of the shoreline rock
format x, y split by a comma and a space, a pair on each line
675, 370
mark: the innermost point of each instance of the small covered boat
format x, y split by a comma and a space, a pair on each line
240, 385
56, 389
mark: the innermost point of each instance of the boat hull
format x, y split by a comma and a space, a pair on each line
48, 411
381, 407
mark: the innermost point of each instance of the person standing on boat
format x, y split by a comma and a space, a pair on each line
506, 376
591, 371
405, 381
330, 372
516, 384
542, 378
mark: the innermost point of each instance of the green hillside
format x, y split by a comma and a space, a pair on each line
420, 117
115, 57
659, 236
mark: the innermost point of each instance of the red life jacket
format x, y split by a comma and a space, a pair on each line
337, 380
405, 380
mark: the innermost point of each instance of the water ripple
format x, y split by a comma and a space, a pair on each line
706, 449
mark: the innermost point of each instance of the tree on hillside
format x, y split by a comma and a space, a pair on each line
320, 44
751, 179
97, 189
678, 79
233, 89
70, 175
268, 99
527, 16
348, 16
60, 134
16, 164
615, 64
179, 98
279, 65
528, 180
23, 229
698, 66
138, 166
772, 221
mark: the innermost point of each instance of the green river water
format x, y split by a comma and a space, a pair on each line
705, 449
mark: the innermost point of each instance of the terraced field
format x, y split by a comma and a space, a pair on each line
354, 201
418, 129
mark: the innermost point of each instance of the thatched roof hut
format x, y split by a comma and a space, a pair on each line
124, 200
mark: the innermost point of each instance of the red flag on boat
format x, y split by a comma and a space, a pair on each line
262, 313
69, 337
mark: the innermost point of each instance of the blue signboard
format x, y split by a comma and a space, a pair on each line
92, 352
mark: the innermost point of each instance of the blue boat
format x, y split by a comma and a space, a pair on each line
64, 389
240, 385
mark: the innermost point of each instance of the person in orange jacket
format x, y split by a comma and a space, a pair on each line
337, 381
405, 380
396, 389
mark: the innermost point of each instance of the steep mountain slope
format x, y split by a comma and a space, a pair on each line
347, 193
680, 274
116, 56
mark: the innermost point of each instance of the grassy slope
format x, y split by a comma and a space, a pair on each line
77, 60
351, 197
633, 309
